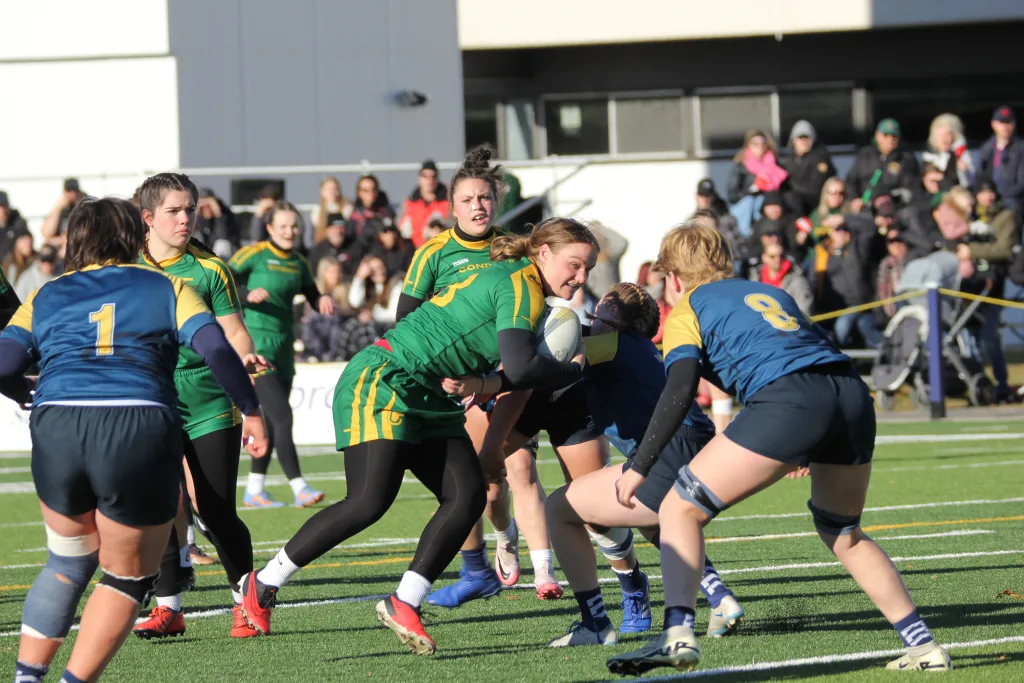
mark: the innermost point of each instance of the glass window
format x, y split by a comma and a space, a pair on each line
481, 117
915, 103
577, 126
651, 124
830, 111
725, 119
517, 138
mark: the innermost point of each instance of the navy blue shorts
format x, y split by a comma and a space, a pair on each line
124, 461
683, 447
822, 414
563, 414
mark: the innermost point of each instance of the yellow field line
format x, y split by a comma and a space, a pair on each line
397, 560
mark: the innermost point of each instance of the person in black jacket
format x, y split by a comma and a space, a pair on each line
841, 283
809, 166
12, 226
339, 244
882, 164
1002, 159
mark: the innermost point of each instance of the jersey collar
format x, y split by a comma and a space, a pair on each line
465, 240
278, 251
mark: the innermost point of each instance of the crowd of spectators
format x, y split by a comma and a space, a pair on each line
831, 242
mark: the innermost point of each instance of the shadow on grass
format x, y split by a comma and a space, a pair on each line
448, 653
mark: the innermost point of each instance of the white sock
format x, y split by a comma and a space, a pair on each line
507, 536
190, 535
543, 562
237, 597
278, 571
297, 484
173, 601
183, 557
413, 589
255, 485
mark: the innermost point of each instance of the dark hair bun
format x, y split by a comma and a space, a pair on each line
478, 157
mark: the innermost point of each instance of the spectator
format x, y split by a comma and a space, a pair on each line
942, 226
932, 181
775, 220
946, 152
755, 171
988, 248
708, 200
371, 202
19, 259
331, 202
430, 197
829, 212
435, 226
890, 271
654, 283
338, 245
55, 227
12, 226
1002, 159
322, 335
808, 166
779, 271
42, 270
512, 197
840, 284
605, 274
394, 251
376, 290
215, 224
882, 165
269, 196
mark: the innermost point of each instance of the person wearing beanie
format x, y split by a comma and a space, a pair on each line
885, 163
809, 166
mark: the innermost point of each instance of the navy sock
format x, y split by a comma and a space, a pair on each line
679, 616
711, 584
592, 609
476, 560
913, 630
631, 581
69, 677
23, 671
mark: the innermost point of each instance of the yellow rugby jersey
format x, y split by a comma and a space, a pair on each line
445, 260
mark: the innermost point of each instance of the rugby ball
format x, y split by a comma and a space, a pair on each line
560, 334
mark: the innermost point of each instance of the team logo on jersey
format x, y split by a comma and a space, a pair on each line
393, 418
893, 167
822, 167
460, 262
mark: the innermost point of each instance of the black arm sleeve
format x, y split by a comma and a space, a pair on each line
669, 414
210, 343
240, 286
406, 305
312, 295
14, 361
9, 304
523, 368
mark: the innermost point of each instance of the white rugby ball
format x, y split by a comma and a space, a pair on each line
560, 335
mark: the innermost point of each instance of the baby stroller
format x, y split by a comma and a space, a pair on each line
903, 357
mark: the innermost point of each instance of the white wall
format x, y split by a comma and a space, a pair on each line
539, 23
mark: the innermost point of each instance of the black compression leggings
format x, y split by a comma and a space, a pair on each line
273, 392
449, 468
213, 463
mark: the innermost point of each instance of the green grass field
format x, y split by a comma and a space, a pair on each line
948, 507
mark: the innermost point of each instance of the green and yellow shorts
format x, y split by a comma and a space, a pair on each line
279, 350
376, 399
203, 405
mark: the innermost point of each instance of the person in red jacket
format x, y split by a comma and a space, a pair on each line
429, 197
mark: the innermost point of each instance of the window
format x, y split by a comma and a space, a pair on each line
725, 119
829, 110
517, 130
577, 126
652, 124
481, 122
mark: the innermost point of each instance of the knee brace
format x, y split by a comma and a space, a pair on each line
833, 524
51, 603
615, 544
692, 489
138, 589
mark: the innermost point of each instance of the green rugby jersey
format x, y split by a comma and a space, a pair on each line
9, 301
445, 260
455, 333
284, 274
211, 279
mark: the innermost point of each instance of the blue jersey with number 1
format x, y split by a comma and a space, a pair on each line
108, 335
745, 335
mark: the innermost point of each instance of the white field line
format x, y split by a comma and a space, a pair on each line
823, 659
15, 470
653, 577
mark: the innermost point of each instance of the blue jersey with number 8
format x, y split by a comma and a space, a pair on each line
745, 335
108, 335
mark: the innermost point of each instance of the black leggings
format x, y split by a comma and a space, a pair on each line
213, 462
449, 468
273, 392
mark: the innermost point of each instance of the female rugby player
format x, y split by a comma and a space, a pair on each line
391, 414
105, 420
803, 403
